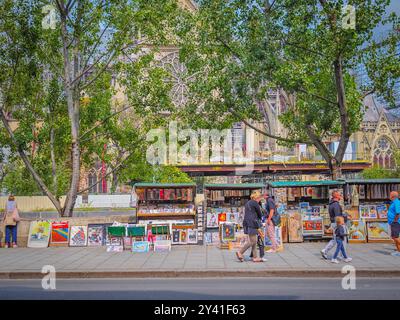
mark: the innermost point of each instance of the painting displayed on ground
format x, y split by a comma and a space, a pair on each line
39, 234
115, 245
295, 227
162, 246
227, 232
78, 236
378, 231
59, 233
96, 235
140, 246
278, 237
357, 231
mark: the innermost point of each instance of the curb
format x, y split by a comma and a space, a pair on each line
203, 274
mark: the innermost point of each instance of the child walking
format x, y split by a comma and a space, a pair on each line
341, 235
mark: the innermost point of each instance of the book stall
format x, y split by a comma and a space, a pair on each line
368, 200
169, 209
303, 206
224, 213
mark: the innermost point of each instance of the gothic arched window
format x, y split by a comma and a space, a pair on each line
92, 179
383, 153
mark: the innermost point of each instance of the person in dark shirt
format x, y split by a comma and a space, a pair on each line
340, 237
251, 226
335, 210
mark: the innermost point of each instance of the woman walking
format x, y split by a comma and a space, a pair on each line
251, 226
10, 221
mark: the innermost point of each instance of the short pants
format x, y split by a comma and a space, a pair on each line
395, 229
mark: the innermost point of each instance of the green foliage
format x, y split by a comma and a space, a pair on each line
376, 172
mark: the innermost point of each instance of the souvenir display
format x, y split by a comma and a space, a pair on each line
96, 235
368, 212
295, 227
357, 231
378, 231
178, 193
78, 236
39, 234
371, 191
166, 209
140, 246
59, 233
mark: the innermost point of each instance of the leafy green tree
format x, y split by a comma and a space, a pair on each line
62, 62
239, 50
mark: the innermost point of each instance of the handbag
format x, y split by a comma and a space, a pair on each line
276, 219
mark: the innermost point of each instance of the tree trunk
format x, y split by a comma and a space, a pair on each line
28, 164
53, 163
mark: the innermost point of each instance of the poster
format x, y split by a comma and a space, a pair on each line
221, 217
78, 236
378, 231
295, 227
96, 235
227, 232
312, 226
127, 243
39, 234
175, 236
372, 212
192, 236
278, 238
115, 245
59, 233
140, 246
183, 236
212, 220
357, 231
232, 217
381, 210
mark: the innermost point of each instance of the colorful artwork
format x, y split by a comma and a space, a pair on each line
312, 226
140, 246
357, 231
381, 210
368, 212
295, 227
221, 217
373, 214
212, 220
227, 232
175, 236
378, 231
59, 233
96, 235
192, 236
183, 236
78, 236
39, 234
232, 217
278, 237
127, 243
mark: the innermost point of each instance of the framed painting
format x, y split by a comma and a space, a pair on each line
382, 211
183, 233
39, 234
372, 212
364, 211
357, 231
59, 233
227, 232
192, 236
212, 220
312, 226
115, 245
295, 227
378, 232
140, 246
96, 235
78, 236
162, 246
231, 217
127, 242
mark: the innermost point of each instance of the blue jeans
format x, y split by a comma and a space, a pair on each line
11, 231
339, 248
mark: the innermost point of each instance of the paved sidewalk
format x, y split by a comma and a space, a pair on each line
302, 259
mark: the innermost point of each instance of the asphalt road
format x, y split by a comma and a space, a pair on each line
202, 289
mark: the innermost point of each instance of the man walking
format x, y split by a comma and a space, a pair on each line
270, 209
335, 210
394, 221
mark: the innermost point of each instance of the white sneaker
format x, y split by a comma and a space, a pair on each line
348, 259
335, 261
395, 254
324, 255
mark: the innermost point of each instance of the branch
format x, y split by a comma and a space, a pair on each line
118, 166
105, 120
